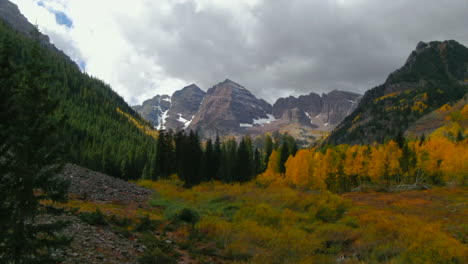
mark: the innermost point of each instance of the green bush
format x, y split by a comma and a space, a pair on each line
156, 256
188, 215
120, 221
145, 224
94, 218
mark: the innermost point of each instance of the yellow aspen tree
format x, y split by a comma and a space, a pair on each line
318, 173
384, 162
376, 164
298, 169
301, 170
393, 156
272, 173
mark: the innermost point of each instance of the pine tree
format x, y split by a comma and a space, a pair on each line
209, 166
267, 151
29, 164
165, 155
244, 163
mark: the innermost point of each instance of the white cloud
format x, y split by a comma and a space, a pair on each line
274, 48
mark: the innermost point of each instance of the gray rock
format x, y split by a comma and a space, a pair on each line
322, 112
226, 106
88, 184
155, 110
185, 104
92, 244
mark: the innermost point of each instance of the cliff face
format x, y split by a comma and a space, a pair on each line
155, 110
311, 104
228, 108
185, 104
11, 14
320, 112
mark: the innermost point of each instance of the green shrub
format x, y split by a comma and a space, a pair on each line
188, 215
120, 221
94, 218
156, 256
144, 224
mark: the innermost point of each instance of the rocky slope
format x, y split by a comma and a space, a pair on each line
11, 14
433, 75
95, 244
320, 112
98, 243
172, 112
227, 109
155, 110
86, 184
443, 116
185, 104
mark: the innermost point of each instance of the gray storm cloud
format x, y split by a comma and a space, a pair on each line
279, 47
295, 46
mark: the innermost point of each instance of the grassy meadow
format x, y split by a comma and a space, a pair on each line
250, 223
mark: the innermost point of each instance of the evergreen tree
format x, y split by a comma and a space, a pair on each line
267, 151
29, 162
165, 155
209, 168
258, 162
244, 169
94, 133
217, 159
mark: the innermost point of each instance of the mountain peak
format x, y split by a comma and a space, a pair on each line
431, 77
421, 46
231, 84
192, 86
228, 109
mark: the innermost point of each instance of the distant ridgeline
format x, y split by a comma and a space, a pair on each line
95, 135
435, 74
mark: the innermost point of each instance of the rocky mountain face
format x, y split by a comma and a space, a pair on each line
315, 111
185, 104
11, 14
155, 109
433, 75
172, 112
227, 109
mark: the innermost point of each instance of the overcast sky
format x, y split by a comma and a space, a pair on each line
272, 47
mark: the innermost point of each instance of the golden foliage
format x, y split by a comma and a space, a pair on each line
278, 224
301, 170
142, 127
272, 173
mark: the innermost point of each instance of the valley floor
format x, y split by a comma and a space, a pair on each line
249, 223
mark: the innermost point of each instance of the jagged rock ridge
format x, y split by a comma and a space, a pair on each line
320, 112
172, 112
155, 110
229, 109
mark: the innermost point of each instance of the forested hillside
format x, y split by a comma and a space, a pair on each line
94, 133
432, 76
